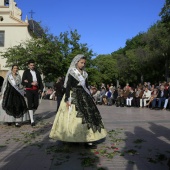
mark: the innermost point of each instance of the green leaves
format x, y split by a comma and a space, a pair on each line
165, 12
52, 54
105, 67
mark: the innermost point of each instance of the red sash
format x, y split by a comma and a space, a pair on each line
32, 88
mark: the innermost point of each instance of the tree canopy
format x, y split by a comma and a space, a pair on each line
52, 54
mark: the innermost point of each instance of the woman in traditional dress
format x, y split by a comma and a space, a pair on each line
78, 119
13, 108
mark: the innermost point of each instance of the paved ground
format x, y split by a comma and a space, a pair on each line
138, 139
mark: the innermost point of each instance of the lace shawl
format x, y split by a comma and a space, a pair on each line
72, 67
18, 85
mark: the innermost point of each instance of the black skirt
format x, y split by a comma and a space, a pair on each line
13, 102
86, 109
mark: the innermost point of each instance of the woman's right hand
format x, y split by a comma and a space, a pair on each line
68, 104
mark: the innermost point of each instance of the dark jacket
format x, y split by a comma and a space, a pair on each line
59, 89
28, 76
165, 95
131, 94
72, 83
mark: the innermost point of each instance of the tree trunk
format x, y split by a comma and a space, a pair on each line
141, 78
117, 83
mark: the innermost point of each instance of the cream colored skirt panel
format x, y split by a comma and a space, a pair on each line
67, 127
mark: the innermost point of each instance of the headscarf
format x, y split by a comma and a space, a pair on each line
73, 66
5, 82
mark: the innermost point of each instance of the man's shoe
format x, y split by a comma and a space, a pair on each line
33, 124
90, 146
17, 125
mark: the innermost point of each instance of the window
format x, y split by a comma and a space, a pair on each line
2, 37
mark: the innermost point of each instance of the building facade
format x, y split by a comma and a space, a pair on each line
13, 30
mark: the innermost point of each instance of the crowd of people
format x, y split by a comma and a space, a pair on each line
141, 96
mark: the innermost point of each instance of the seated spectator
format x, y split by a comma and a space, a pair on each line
107, 87
162, 95
112, 87
130, 97
149, 85
102, 86
93, 90
167, 88
126, 92
166, 85
138, 95
53, 96
145, 84
120, 99
96, 96
154, 93
168, 104
127, 87
48, 93
108, 98
114, 95
153, 86
145, 97
102, 94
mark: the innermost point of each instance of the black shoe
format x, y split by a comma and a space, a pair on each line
90, 146
33, 124
17, 125
9, 124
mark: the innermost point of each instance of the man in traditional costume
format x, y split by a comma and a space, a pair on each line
32, 82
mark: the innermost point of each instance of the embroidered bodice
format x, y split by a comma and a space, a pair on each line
72, 83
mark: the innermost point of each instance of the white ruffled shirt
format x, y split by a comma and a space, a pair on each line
34, 77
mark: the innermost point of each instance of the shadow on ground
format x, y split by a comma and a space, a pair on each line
31, 148
148, 149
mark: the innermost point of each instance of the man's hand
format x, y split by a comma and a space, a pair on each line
26, 81
34, 83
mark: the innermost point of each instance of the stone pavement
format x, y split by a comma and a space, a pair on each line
138, 139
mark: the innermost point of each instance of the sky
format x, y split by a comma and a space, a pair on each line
104, 25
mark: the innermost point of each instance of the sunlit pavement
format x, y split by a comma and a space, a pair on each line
138, 139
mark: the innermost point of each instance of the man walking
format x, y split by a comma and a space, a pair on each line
59, 89
32, 82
